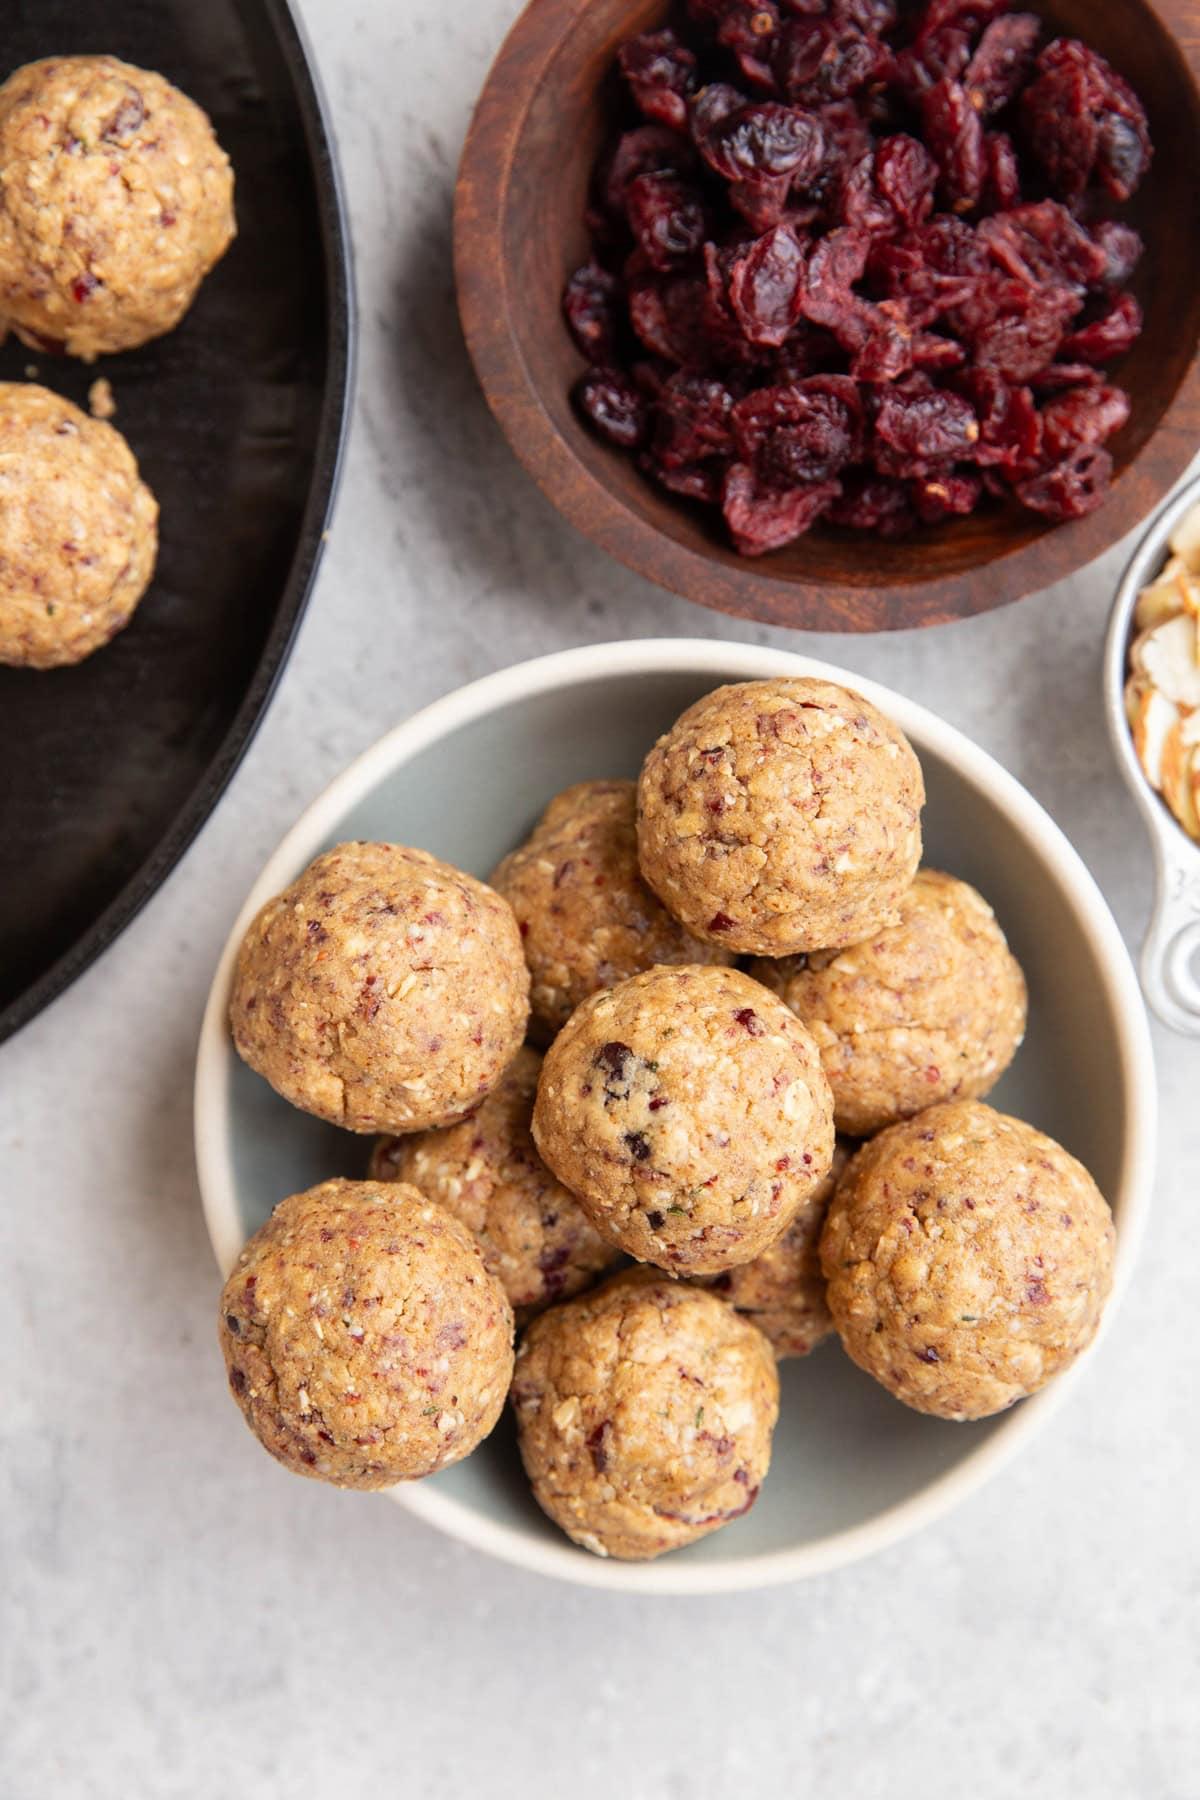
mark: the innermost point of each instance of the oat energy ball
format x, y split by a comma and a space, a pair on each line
783, 1290
535, 1237
645, 1411
587, 917
115, 201
781, 816
688, 1110
968, 1259
383, 991
931, 1008
364, 1340
78, 530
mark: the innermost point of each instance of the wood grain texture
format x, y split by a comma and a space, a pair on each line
519, 232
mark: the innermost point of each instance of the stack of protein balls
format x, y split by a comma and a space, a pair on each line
116, 200
684, 1115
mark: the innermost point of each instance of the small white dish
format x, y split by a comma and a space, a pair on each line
853, 1471
1171, 951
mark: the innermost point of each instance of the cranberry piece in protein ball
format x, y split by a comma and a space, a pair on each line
839, 188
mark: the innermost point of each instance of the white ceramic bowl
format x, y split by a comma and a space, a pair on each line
852, 1469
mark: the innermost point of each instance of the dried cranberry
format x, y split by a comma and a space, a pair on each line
1010, 426
612, 404
668, 315
127, 120
939, 497
667, 218
590, 301
876, 504
1087, 415
819, 60
749, 30
1122, 249
766, 286
692, 420
800, 434
1112, 334
761, 518
925, 425
1001, 62
1084, 120
661, 73
1072, 488
954, 133
647, 150
1002, 183
762, 142
1044, 245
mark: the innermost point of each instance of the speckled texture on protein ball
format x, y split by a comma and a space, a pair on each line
929, 1009
783, 1290
688, 1110
781, 816
645, 1411
587, 918
968, 1259
383, 991
535, 1237
364, 1340
78, 530
115, 201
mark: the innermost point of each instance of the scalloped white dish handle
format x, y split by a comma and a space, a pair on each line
1171, 951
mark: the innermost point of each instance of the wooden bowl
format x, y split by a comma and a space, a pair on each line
519, 233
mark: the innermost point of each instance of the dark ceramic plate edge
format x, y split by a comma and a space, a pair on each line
326, 475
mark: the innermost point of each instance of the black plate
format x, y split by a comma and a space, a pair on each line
108, 770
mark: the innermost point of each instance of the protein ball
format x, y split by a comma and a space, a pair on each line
587, 918
929, 1009
383, 991
783, 1290
115, 202
78, 530
968, 1258
364, 1340
781, 816
535, 1237
644, 1412
688, 1111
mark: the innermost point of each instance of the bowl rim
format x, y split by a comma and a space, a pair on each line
743, 588
722, 661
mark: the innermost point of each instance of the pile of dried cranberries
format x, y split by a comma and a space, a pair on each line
859, 268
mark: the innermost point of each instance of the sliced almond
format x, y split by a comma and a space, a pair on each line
1185, 539
1152, 718
1167, 657
1163, 598
1191, 595
1177, 788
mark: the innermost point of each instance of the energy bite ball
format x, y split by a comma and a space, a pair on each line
931, 1008
78, 530
115, 202
644, 1411
688, 1111
968, 1259
783, 1290
781, 816
383, 991
364, 1340
535, 1237
587, 917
